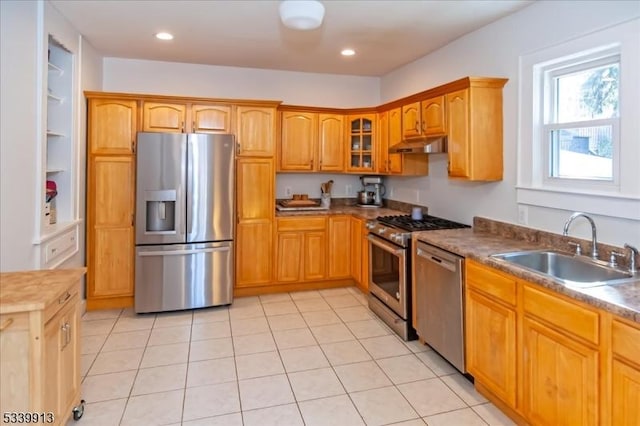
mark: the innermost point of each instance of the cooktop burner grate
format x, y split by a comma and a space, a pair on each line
427, 223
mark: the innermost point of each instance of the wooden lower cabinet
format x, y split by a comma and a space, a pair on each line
561, 377
624, 394
254, 253
546, 359
339, 247
491, 341
40, 346
301, 247
356, 250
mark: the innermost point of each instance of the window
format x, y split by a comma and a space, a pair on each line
581, 113
579, 124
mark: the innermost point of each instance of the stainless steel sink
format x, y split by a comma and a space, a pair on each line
575, 271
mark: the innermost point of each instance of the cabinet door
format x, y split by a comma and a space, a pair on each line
625, 380
315, 248
339, 251
298, 141
561, 376
255, 207
362, 146
411, 120
211, 119
158, 117
255, 131
457, 105
433, 116
365, 258
254, 189
254, 253
356, 250
383, 142
395, 136
331, 142
491, 345
112, 126
110, 240
62, 360
289, 256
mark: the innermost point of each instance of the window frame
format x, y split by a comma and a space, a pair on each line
620, 200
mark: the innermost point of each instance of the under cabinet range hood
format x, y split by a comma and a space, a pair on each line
423, 145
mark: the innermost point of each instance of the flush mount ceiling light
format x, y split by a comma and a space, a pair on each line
301, 14
348, 52
164, 36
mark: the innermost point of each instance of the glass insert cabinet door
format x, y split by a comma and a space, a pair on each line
361, 142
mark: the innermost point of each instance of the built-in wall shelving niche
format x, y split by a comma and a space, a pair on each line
59, 151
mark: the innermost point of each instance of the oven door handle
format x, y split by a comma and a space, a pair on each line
385, 245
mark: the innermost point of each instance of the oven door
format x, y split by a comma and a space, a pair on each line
388, 274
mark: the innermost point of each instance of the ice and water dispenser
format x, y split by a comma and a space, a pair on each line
160, 212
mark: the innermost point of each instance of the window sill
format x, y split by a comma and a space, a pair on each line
604, 204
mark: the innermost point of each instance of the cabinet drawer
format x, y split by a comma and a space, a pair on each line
60, 248
485, 280
568, 316
302, 223
626, 341
69, 296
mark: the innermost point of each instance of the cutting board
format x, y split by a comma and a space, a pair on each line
299, 203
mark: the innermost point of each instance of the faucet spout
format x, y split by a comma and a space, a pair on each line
594, 239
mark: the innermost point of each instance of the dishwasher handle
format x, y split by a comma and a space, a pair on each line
451, 266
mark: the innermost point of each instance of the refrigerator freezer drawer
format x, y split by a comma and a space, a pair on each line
185, 276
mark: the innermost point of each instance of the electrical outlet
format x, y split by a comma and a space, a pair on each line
288, 191
347, 190
523, 215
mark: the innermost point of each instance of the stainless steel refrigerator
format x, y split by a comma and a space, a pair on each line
184, 221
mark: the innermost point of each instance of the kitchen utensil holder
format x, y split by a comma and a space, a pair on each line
325, 200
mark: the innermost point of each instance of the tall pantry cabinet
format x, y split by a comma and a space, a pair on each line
112, 127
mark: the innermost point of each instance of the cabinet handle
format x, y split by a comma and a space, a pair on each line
417, 126
133, 146
193, 126
6, 324
424, 127
238, 148
64, 335
64, 298
311, 164
182, 126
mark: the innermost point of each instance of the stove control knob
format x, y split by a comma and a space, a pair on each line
370, 225
393, 237
398, 238
382, 230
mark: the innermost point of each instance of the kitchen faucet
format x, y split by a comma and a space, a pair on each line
633, 252
594, 241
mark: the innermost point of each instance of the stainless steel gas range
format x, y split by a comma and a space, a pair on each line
390, 267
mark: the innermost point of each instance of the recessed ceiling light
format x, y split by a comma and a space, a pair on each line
164, 36
348, 52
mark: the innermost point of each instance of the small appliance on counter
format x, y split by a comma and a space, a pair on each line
373, 190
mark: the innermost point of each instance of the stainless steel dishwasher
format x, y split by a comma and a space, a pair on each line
439, 301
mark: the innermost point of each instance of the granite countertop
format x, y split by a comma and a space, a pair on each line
622, 300
34, 290
360, 212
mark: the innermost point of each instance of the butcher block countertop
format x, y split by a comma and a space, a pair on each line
479, 244
34, 290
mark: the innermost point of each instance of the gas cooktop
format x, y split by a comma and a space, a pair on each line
427, 223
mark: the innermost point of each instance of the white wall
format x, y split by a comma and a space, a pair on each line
18, 133
23, 23
494, 51
294, 88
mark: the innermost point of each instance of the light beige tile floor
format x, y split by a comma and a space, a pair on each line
307, 358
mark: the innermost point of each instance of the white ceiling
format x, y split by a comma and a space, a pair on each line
385, 34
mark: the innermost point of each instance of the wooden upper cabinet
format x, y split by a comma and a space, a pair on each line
425, 118
112, 126
211, 118
164, 117
331, 142
382, 139
433, 116
255, 131
395, 136
311, 141
389, 134
361, 153
474, 130
298, 141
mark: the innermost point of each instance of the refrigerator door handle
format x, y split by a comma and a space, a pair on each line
183, 252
